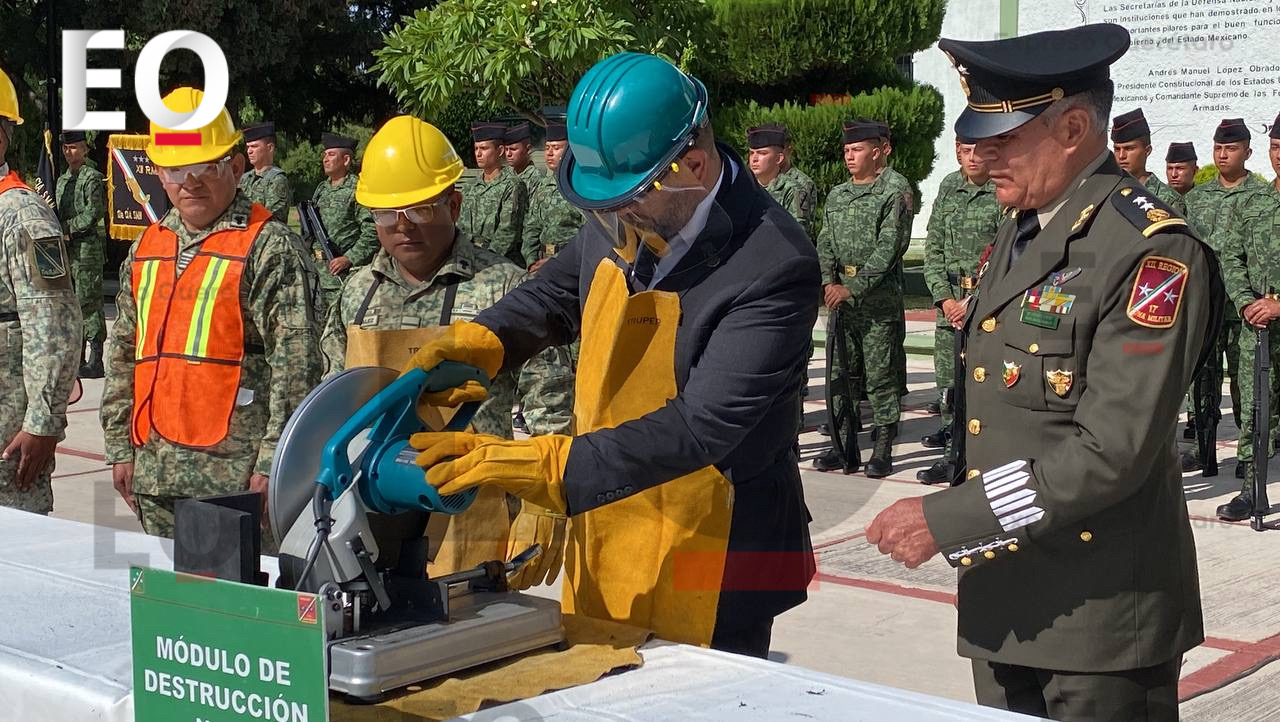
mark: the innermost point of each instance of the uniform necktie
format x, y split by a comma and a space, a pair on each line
642, 269
1028, 227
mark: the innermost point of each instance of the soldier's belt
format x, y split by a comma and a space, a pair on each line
81, 234
968, 283
8, 316
854, 271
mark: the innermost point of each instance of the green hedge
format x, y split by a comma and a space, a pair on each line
770, 42
915, 115
1210, 172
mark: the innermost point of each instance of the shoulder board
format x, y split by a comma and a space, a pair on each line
1148, 214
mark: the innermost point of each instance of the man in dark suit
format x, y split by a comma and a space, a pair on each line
1078, 589
694, 294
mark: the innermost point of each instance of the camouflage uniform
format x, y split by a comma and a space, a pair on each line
551, 222
350, 227
482, 278
271, 189
859, 246
963, 222
1210, 211
532, 177
1250, 258
39, 323
493, 214
281, 365
1161, 190
82, 204
898, 183
794, 191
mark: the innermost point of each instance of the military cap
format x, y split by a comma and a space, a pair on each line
488, 131
557, 131
966, 140
258, 131
517, 133
884, 130
1275, 128
1129, 126
334, 140
1181, 153
1231, 130
859, 130
769, 134
73, 136
1009, 82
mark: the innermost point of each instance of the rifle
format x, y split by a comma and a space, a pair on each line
847, 421
1261, 426
1207, 398
314, 233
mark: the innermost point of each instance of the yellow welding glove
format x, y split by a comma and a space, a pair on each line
465, 342
536, 525
532, 469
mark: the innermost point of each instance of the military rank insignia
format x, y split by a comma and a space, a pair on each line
1060, 381
1043, 307
1156, 296
1012, 372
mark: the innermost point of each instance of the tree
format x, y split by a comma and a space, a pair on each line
524, 54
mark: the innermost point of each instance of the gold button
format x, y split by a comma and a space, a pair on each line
1012, 547
1033, 348
965, 561
989, 554
979, 374
973, 474
975, 427
989, 324
1086, 536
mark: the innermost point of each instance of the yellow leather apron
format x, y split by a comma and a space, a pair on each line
457, 542
654, 559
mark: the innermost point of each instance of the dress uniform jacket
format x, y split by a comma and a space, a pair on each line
749, 302
1071, 532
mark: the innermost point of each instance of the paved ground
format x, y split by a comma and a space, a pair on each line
871, 619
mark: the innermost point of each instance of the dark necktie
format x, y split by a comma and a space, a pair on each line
642, 269
1028, 227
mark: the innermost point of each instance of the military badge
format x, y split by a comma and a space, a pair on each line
1155, 215
1084, 216
1156, 296
1060, 381
850, 271
49, 258
1012, 372
1061, 277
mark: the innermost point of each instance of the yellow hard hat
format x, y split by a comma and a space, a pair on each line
216, 139
8, 100
407, 162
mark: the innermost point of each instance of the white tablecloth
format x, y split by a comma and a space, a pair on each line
65, 653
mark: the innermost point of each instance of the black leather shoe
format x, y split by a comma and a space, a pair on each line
1238, 509
1190, 461
940, 473
831, 461
936, 440
933, 407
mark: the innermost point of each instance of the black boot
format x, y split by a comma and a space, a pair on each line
936, 440
92, 366
1190, 461
933, 407
831, 461
1189, 433
940, 473
880, 464
1239, 508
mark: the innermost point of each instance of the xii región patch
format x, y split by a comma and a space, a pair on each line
1156, 296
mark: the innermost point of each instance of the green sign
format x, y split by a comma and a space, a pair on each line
213, 651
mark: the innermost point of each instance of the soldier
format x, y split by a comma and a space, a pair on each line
428, 274
348, 223
1211, 212
1273, 150
1078, 591
1180, 168
552, 221
804, 184
494, 205
40, 318
517, 148
858, 249
82, 204
962, 224
1251, 269
768, 144
900, 184
1131, 139
264, 183
187, 414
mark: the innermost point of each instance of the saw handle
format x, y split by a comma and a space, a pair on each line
391, 416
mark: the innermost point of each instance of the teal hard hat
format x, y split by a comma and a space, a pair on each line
629, 118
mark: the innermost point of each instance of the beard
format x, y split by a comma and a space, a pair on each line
667, 224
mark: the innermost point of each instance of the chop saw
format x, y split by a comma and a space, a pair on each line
351, 508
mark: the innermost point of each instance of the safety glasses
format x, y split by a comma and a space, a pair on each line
183, 174
417, 215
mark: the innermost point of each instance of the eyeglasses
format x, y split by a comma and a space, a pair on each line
417, 215
183, 174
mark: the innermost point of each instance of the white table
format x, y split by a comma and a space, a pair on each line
65, 651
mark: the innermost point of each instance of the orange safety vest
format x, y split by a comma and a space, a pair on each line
190, 334
11, 181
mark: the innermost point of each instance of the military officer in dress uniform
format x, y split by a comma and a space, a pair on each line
1078, 591
1131, 138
